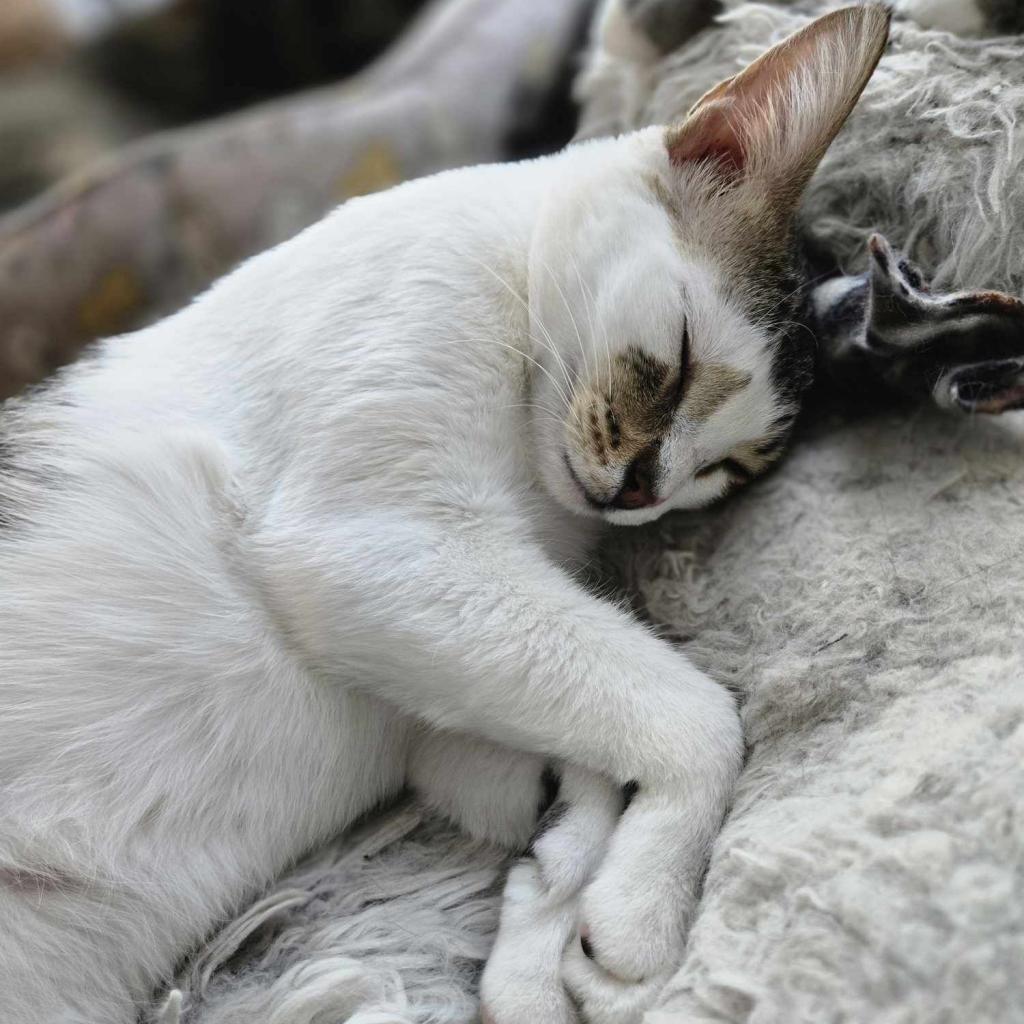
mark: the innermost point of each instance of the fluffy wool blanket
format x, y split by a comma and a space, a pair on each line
867, 603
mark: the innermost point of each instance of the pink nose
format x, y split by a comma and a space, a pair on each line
637, 489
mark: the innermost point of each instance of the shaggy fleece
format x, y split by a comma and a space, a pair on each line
932, 156
388, 925
866, 601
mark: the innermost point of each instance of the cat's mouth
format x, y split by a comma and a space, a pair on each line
630, 496
581, 487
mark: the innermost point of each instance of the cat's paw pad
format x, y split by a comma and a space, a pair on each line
602, 998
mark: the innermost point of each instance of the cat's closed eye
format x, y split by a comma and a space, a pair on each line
733, 467
684, 368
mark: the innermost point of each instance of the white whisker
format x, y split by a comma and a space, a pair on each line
568, 309
530, 320
526, 355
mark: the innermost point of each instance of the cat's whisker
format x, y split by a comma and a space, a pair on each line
797, 324
568, 309
531, 319
545, 413
535, 405
587, 305
604, 330
511, 290
566, 398
769, 321
817, 279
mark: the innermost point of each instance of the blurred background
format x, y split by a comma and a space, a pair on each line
147, 146
82, 77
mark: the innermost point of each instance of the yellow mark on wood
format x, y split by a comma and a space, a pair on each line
376, 169
109, 308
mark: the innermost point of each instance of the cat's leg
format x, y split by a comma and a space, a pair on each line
559, 815
490, 791
888, 334
560, 818
540, 911
483, 634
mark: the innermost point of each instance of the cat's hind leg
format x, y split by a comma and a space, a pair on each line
523, 981
560, 819
490, 791
163, 754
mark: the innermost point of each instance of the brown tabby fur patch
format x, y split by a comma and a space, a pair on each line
641, 398
710, 386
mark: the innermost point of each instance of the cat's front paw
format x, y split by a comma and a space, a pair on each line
634, 923
635, 915
522, 982
602, 998
889, 331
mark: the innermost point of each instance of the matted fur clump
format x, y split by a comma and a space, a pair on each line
868, 603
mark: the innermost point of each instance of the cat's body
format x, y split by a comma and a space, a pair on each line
185, 709
309, 541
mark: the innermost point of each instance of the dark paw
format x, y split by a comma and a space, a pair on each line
888, 331
988, 388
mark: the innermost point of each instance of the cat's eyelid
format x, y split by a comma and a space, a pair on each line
684, 363
731, 465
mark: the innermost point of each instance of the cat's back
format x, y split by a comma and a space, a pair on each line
121, 570
130, 485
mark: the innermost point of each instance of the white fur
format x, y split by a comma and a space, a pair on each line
276, 556
281, 526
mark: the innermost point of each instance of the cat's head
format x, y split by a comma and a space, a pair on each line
662, 284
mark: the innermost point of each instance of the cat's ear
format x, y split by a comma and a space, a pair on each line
772, 123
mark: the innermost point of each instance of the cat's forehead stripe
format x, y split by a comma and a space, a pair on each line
711, 385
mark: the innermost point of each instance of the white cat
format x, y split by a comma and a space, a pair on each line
309, 541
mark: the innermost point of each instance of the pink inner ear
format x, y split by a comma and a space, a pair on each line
709, 136
733, 117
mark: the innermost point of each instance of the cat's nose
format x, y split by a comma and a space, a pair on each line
637, 489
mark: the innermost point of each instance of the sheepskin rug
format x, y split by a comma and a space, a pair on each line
866, 602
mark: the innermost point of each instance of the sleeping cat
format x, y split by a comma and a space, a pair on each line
311, 540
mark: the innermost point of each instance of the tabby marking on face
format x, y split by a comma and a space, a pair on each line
626, 418
711, 385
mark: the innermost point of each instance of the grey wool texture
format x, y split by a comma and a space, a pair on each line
866, 601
